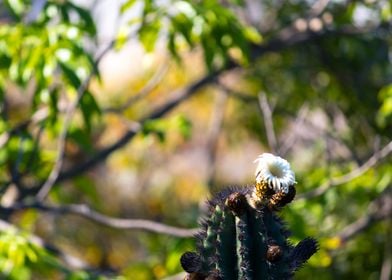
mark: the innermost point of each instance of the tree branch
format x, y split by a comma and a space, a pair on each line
318, 7
290, 140
150, 85
380, 209
236, 94
55, 172
178, 98
268, 123
215, 128
289, 37
92, 215
372, 161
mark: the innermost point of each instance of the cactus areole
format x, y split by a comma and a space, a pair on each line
243, 237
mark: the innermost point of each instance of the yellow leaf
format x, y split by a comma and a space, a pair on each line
333, 243
321, 259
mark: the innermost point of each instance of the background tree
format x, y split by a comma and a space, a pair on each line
89, 134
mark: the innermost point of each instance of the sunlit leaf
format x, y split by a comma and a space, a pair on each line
89, 108
127, 5
17, 7
70, 75
85, 17
149, 33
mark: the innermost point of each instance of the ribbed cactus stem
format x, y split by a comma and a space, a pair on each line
243, 246
227, 246
260, 243
241, 242
211, 241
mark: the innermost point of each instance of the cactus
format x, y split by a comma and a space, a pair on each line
243, 237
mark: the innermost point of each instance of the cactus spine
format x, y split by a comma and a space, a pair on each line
243, 237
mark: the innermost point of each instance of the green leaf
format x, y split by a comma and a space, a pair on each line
87, 186
209, 52
86, 18
81, 138
156, 127
64, 13
384, 114
127, 5
171, 44
70, 75
79, 275
94, 66
148, 34
184, 126
121, 39
237, 2
183, 25
17, 7
5, 61
89, 108
252, 35
240, 41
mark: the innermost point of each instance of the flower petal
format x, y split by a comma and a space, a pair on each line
275, 171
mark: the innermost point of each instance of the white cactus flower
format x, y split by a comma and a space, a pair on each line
275, 171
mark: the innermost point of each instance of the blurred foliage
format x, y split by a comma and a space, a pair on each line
331, 102
206, 23
17, 255
21, 258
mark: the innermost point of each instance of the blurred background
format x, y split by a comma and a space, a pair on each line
120, 118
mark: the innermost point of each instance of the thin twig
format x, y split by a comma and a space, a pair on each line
47, 186
55, 172
213, 135
380, 209
318, 7
268, 122
289, 141
356, 228
236, 94
34, 153
151, 84
15, 172
325, 133
118, 223
372, 161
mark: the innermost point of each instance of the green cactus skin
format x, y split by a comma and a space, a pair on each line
238, 241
